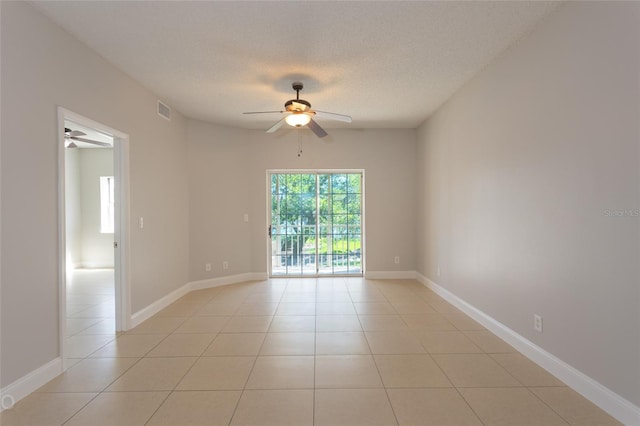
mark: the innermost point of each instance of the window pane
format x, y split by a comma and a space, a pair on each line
354, 184
293, 184
339, 224
353, 220
339, 184
308, 184
107, 204
324, 184
325, 205
339, 203
308, 205
353, 204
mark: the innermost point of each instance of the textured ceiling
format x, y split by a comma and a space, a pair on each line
387, 64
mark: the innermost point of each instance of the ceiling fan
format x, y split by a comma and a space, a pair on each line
300, 114
73, 136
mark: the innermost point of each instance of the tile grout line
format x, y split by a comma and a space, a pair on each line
445, 374
104, 390
373, 358
315, 359
80, 409
456, 389
467, 402
545, 403
161, 404
186, 372
255, 360
181, 378
88, 355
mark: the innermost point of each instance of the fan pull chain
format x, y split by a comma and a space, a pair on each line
299, 144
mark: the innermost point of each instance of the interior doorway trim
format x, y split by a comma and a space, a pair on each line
121, 229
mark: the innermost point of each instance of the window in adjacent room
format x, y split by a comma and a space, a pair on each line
107, 205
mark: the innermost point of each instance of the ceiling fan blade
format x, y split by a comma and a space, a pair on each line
72, 145
334, 116
91, 141
315, 128
263, 112
276, 126
72, 133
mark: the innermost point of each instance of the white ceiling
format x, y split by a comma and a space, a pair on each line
389, 64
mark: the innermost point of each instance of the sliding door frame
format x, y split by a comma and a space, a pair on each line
316, 172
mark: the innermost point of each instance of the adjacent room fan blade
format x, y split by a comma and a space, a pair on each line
333, 116
276, 126
90, 141
315, 128
74, 135
263, 112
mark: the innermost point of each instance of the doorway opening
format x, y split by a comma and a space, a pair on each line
93, 203
316, 225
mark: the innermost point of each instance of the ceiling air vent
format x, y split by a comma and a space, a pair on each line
164, 111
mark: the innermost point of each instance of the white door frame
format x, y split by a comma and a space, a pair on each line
121, 229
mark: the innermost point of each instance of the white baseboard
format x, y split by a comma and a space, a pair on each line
230, 279
28, 383
149, 311
390, 275
617, 406
152, 309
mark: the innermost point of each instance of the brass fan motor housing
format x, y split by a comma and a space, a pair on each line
293, 105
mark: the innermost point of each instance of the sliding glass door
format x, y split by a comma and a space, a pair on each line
316, 223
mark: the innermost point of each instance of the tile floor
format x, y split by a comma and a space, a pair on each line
90, 312
331, 351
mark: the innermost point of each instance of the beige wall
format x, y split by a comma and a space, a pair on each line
219, 163
44, 67
97, 248
228, 178
73, 217
516, 175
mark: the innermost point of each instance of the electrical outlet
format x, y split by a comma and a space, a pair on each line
537, 323
246, 217
397, 260
141, 222
225, 264
207, 267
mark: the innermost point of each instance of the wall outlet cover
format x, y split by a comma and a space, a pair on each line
537, 323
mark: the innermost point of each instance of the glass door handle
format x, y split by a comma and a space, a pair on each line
269, 231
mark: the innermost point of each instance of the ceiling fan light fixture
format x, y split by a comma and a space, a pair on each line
297, 119
299, 114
